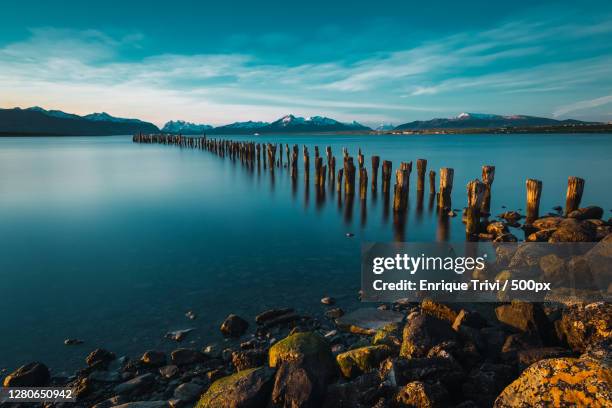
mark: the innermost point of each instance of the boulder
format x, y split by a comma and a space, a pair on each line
368, 320
246, 389
422, 332
591, 212
398, 372
154, 358
469, 319
185, 356
30, 375
422, 395
584, 326
270, 314
553, 268
530, 356
439, 310
485, 382
298, 385
188, 392
361, 360
547, 223
559, 382
527, 318
506, 238
541, 235
234, 326
573, 230
309, 348
497, 228
136, 385
391, 335
243, 360
168, 371
511, 216
99, 357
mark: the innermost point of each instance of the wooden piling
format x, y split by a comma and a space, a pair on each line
360, 159
475, 194
488, 175
421, 169
386, 176
400, 197
446, 187
349, 177
534, 192
575, 187
375, 164
363, 183
339, 182
432, 182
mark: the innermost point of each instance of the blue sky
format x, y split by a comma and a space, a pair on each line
367, 61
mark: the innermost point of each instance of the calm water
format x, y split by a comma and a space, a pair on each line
112, 242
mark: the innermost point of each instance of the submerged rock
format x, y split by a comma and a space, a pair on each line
368, 320
234, 326
30, 375
184, 356
591, 212
178, 335
99, 357
559, 382
246, 389
154, 358
573, 230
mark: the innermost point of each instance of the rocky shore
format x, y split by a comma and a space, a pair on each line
401, 354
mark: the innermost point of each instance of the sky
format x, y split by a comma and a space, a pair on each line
373, 62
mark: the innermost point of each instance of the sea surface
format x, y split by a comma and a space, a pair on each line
112, 242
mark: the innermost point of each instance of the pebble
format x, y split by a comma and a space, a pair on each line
72, 342
190, 315
328, 300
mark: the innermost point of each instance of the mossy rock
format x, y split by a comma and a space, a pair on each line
391, 335
355, 362
560, 382
305, 347
249, 388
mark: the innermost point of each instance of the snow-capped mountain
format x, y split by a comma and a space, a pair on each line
185, 128
105, 117
312, 124
483, 120
384, 126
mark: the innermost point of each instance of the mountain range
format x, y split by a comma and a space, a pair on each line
39, 121
485, 121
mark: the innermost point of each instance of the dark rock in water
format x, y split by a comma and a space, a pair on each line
420, 394
530, 356
190, 315
186, 356
506, 238
349, 234
213, 351
362, 360
306, 348
559, 382
243, 360
105, 376
547, 223
178, 335
246, 389
99, 357
439, 310
30, 375
298, 385
511, 216
592, 212
398, 372
334, 313
573, 230
585, 326
485, 383
263, 317
526, 317
541, 235
188, 392
72, 342
328, 300
423, 332
558, 208
136, 385
234, 326
497, 228
368, 320
154, 358
168, 371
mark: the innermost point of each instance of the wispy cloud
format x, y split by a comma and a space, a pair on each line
581, 105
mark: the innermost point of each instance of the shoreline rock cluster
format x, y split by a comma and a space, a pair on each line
404, 354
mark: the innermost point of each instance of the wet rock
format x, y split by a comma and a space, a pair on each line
30, 375
439, 310
234, 326
592, 212
178, 335
368, 320
72, 342
452, 213
573, 230
188, 392
99, 357
327, 300
547, 223
105, 376
185, 356
397, 372
334, 313
526, 317
282, 320
584, 326
423, 332
136, 385
297, 384
169, 371
307, 348
420, 394
243, 360
559, 382
213, 351
511, 216
190, 315
154, 358
485, 383
361, 360
506, 238
391, 335
267, 315
541, 235
349, 234
246, 389
497, 228
530, 356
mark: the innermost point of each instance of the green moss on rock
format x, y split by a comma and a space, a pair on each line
246, 388
355, 362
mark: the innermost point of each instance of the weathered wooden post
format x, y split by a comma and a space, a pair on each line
318, 165
339, 181
475, 193
446, 187
421, 169
360, 159
375, 164
400, 196
432, 182
386, 176
349, 177
575, 187
306, 164
328, 154
363, 183
332, 170
534, 192
488, 175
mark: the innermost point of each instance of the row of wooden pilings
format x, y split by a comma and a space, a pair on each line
478, 191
